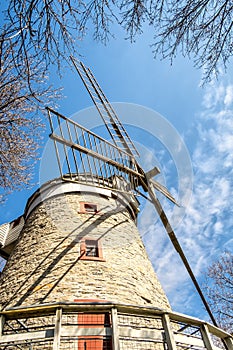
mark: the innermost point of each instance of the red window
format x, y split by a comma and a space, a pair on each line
90, 249
88, 208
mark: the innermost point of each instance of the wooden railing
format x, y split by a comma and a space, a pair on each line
57, 326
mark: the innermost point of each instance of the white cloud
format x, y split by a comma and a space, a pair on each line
229, 95
218, 227
214, 95
218, 95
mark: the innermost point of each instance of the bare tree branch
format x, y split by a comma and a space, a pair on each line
201, 29
49, 29
20, 126
39, 33
219, 289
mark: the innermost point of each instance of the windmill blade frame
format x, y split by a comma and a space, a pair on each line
114, 126
80, 151
162, 189
171, 234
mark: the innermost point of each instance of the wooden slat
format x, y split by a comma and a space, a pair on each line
10, 338
149, 334
2, 321
71, 331
4, 229
188, 340
14, 231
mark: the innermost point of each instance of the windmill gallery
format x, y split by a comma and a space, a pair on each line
77, 274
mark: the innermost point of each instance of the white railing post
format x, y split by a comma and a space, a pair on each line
57, 329
115, 330
206, 337
2, 321
169, 336
229, 343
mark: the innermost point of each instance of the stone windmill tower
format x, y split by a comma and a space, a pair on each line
77, 274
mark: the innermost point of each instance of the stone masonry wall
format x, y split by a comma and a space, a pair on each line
46, 266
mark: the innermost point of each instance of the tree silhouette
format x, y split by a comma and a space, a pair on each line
220, 290
38, 34
20, 124
50, 29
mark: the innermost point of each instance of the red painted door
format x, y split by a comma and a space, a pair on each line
95, 342
93, 320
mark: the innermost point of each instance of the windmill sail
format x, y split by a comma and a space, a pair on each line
115, 128
83, 154
177, 246
123, 151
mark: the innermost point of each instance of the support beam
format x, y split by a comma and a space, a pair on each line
115, 330
169, 336
57, 329
22, 337
177, 246
2, 321
229, 343
206, 337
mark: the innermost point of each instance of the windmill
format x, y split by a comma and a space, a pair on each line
77, 275
82, 154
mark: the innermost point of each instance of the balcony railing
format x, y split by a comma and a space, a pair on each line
106, 326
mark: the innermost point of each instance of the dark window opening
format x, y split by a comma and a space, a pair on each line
88, 208
92, 247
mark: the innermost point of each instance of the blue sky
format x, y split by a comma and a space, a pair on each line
200, 120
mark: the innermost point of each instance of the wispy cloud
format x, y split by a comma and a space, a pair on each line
229, 95
205, 231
